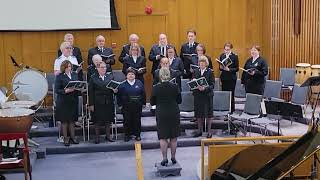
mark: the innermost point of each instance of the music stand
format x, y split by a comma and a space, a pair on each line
281, 109
312, 81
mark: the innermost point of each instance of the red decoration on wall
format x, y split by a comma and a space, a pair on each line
148, 10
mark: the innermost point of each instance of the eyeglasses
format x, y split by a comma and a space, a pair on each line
103, 67
68, 47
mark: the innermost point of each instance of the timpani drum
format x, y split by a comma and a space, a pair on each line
16, 120
30, 85
18, 104
303, 72
315, 71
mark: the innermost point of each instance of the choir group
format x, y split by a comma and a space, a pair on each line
192, 63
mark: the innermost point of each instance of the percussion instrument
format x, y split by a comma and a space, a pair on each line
315, 71
303, 72
16, 120
18, 104
30, 85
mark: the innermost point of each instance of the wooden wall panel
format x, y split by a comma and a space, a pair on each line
240, 21
288, 49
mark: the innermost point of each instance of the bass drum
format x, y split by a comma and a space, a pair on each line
30, 85
303, 72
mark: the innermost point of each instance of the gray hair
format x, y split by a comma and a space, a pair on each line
64, 45
97, 58
99, 36
164, 74
133, 36
67, 35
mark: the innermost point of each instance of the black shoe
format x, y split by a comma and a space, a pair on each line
164, 162
209, 135
66, 142
108, 139
173, 160
97, 140
138, 138
198, 134
74, 141
126, 139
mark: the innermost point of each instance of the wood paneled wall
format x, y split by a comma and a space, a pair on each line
289, 49
243, 22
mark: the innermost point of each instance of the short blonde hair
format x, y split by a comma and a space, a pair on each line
203, 59
135, 45
164, 74
96, 58
64, 44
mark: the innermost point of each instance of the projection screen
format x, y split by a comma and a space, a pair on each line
39, 15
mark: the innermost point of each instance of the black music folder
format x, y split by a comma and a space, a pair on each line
77, 85
190, 55
173, 80
135, 69
194, 66
225, 62
107, 56
113, 84
198, 82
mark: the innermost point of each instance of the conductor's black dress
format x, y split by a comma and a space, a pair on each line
166, 96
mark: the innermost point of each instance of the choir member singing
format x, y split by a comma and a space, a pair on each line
92, 68
66, 50
133, 38
166, 96
101, 101
188, 51
75, 51
201, 51
131, 97
135, 62
66, 102
203, 107
229, 69
255, 72
158, 51
106, 53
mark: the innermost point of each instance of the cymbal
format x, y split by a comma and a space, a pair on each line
19, 83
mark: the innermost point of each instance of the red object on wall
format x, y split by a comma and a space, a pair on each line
148, 10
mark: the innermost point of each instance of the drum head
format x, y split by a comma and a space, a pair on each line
303, 65
316, 66
15, 112
30, 85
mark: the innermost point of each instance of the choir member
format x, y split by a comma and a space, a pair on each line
76, 52
188, 51
66, 102
203, 107
131, 97
256, 70
101, 101
66, 50
164, 63
135, 62
228, 75
201, 51
158, 51
133, 38
176, 65
92, 68
166, 96
106, 53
